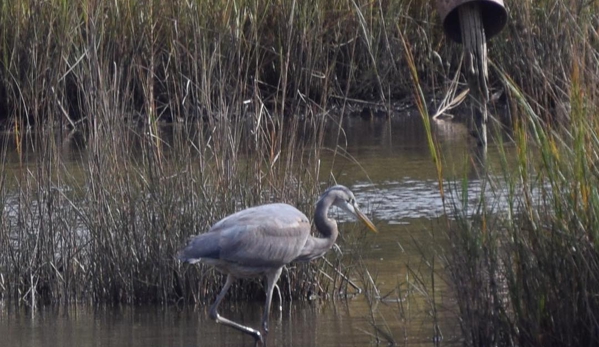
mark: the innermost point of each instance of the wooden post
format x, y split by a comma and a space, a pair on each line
475, 52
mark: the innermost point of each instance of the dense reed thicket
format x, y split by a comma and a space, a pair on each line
543, 46
182, 60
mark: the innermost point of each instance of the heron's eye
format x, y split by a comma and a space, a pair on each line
351, 201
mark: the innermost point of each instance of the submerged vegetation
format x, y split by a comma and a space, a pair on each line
247, 87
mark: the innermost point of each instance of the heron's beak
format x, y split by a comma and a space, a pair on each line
366, 221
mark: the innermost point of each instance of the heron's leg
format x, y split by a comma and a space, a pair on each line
214, 313
280, 298
271, 281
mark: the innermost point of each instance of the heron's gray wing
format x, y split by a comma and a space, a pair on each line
263, 236
203, 246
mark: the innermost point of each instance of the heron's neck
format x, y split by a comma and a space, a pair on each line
325, 225
316, 247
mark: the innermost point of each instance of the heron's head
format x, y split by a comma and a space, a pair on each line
345, 200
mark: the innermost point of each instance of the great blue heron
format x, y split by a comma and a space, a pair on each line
260, 241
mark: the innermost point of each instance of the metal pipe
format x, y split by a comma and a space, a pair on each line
494, 17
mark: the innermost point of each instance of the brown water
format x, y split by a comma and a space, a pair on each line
388, 167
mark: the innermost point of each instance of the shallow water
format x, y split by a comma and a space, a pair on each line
387, 165
327, 323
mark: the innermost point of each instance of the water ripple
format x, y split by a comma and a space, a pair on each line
399, 201
395, 201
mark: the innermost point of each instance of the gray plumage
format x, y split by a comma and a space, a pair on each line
259, 241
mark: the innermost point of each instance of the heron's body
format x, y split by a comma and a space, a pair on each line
272, 235
259, 241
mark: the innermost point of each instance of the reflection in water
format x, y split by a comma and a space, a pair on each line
387, 164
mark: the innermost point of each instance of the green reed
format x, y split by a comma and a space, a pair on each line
525, 271
521, 256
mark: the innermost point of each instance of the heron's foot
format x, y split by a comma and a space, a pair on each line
247, 330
